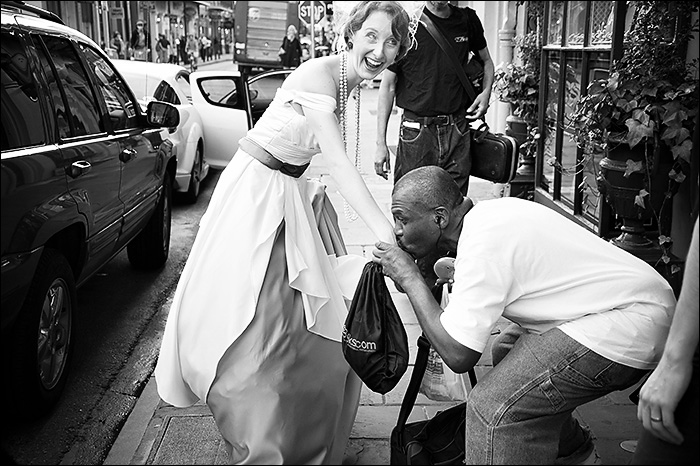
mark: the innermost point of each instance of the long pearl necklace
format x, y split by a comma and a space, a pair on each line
350, 214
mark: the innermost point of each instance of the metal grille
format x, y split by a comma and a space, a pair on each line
601, 23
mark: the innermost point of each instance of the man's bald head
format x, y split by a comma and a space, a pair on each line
428, 187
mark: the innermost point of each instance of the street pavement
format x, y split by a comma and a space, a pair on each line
157, 433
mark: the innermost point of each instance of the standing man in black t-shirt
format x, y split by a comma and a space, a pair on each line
436, 108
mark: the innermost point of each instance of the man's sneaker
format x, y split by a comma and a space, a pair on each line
592, 458
585, 454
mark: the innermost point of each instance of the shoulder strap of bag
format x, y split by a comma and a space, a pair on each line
449, 51
419, 367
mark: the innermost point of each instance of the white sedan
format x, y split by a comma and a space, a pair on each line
171, 83
216, 110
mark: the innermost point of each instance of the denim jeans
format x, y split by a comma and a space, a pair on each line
521, 411
446, 146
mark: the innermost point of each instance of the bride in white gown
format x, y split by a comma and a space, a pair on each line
255, 326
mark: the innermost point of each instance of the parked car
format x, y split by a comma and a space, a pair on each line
229, 103
216, 110
85, 173
171, 83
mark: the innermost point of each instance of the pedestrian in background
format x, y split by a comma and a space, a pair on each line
163, 49
139, 42
117, 43
204, 48
216, 47
174, 51
192, 49
434, 126
207, 48
256, 321
668, 401
290, 50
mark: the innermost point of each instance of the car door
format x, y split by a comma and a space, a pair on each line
142, 163
90, 153
230, 106
176, 91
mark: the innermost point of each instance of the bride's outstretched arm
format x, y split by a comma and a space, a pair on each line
349, 181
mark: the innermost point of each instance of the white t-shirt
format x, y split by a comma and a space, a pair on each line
527, 263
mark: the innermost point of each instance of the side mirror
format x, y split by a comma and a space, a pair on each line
162, 114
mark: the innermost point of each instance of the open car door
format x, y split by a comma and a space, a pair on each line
229, 105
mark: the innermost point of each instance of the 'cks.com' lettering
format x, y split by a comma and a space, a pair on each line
358, 345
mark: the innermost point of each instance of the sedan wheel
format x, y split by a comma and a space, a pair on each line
196, 178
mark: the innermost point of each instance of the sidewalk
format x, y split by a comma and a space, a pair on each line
157, 433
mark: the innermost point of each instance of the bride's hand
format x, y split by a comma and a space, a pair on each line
388, 236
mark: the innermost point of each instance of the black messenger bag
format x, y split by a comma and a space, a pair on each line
439, 440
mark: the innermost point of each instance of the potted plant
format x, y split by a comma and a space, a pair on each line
642, 117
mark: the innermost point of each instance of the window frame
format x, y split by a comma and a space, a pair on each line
97, 87
100, 108
550, 193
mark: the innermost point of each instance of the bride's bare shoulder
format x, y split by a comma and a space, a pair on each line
316, 75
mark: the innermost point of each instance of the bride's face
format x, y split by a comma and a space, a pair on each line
374, 47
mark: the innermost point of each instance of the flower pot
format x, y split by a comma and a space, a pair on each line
624, 172
620, 186
518, 128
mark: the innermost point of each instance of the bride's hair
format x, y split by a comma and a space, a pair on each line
403, 25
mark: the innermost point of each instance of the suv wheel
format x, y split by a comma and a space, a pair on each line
195, 181
149, 250
43, 337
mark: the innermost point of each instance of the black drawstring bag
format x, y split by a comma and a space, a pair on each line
374, 338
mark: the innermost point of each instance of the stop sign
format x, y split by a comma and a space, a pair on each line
305, 11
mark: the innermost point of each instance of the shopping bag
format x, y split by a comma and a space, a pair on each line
374, 340
440, 383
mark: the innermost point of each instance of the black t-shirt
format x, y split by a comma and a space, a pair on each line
426, 82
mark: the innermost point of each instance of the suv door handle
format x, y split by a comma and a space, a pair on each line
127, 155
79, 168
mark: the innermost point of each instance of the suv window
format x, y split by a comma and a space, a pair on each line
22, 123
119, 105
56, 94
83, 108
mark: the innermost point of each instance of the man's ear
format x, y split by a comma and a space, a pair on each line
441, 217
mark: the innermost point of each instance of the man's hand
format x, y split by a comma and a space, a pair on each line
479, 107
396, 264
382, 163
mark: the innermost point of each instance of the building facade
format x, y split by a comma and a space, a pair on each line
582, 38
174, 19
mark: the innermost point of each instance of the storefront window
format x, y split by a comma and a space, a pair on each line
571, 163
578, 51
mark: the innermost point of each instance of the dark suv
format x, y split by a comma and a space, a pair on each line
85, 173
